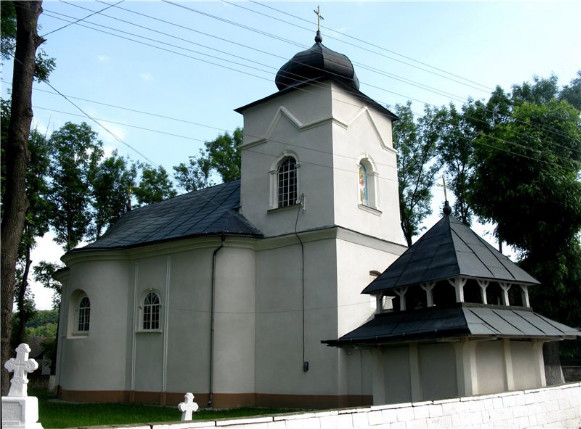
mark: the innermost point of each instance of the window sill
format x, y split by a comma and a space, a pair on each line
370, 209
149, 331
79, 334
282, 209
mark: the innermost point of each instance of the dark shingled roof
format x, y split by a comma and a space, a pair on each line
317, 61
463, 320
447, 250
210, 211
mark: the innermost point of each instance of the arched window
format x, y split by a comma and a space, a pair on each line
84, 318
366, 186
151, 307
363, 186
287, 182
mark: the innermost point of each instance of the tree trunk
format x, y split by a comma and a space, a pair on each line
553, 371
17, 156
23, 313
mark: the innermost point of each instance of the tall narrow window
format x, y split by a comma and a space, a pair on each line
84, 315
287, 183
151, 307
363, 186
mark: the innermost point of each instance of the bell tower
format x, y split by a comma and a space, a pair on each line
319, 180
319, 153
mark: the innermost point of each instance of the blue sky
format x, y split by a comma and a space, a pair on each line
195, 62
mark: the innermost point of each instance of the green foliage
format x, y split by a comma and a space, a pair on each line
195, 175
8, 39
539, 92
456, 134
112, 182
43, 274
572, 92
44, 65
527, 177
526, 181
42, 318
415, 143
47, 331
154, 186
221, 155
76, 152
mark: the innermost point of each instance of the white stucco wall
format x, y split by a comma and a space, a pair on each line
296, 124
280, 315
98, 358
189, 319
361, 132
329, 131
426, 371
234, 341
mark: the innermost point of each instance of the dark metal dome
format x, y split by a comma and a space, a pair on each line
316, 62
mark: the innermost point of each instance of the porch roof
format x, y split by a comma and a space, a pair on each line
461, 320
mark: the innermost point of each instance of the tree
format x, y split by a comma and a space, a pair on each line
76, 152
154, 185
572, 92
36, 224
14, 200
195, 175
416, 148
526, 169
527, 183
455, 150
43, 274
112, 182
221, 155
43, 64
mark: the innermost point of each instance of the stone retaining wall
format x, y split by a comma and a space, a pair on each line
558, 406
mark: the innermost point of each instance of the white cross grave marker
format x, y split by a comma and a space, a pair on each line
21, 366
188, 407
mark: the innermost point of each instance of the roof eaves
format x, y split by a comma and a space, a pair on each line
345, 86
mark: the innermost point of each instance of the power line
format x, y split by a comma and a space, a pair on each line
421, 86
121, 123
214, 63
82, 19
483, 87
101, 125
358, 46
471, 84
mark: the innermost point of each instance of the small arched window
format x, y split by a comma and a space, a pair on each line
151, 307
363, 186
366, 186
287, 182
84, 318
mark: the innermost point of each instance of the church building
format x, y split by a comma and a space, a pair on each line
228, 292
248, 293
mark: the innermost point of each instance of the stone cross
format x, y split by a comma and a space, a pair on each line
20, 366
188, 407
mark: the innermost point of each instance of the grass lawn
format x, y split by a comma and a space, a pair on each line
57, 414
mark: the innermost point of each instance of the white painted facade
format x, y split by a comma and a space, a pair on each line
275, 298
418, 372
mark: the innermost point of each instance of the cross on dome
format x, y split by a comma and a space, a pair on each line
318, 37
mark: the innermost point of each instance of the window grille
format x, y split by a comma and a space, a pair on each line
287, 183
84, 315
151, 308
